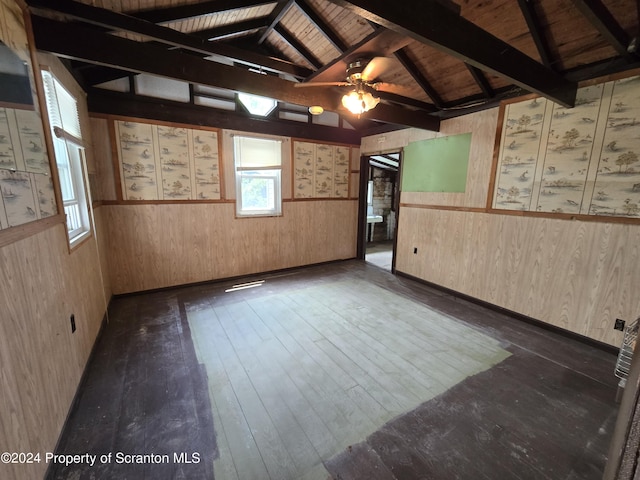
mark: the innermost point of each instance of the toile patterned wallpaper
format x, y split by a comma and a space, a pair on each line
320, 171
581, 160
26, 187
167, 163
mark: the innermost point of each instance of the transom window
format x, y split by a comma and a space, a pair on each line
256, 105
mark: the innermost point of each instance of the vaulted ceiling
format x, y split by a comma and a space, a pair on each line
443, 58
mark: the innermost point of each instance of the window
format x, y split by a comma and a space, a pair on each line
258, 176
255, 105
62, 110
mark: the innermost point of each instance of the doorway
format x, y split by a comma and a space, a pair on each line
379, 200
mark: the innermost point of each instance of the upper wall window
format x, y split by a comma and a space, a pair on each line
62, 110
258, 163
255, 105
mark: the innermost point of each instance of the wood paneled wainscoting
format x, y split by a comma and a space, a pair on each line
576, 275
155, 246
41, 360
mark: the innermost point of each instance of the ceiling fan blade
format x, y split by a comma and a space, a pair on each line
321, 84
393, 88
376, 67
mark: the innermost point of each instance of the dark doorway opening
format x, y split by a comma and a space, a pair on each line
379, 198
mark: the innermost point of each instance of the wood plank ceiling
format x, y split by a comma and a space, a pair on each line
445, 58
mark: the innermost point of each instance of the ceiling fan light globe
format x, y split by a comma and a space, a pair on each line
359, 102
372, 101
351, 102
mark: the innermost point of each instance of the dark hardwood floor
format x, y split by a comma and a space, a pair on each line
337, 371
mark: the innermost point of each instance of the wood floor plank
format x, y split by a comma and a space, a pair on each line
400, 372
246, 456
259, 363
317, 472
361, 461
457, 356
201, 321
308, 338
456, 334
285, 373
325, 407
366, 361
300, 447
387, 402
273, 452
333, 382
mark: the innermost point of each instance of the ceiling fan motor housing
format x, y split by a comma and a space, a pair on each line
354, 71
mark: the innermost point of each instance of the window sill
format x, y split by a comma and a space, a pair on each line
258, 215
79, 240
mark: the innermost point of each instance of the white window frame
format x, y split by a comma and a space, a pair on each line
70, 157
258, 169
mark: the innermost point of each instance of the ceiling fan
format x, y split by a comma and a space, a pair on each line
361, 76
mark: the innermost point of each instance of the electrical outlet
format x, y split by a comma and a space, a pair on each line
415, 250
619, 325
73, 323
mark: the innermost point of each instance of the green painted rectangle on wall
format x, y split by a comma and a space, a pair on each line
436, 165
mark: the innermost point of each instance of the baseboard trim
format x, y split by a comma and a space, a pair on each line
76, 396
232, 279
519, 316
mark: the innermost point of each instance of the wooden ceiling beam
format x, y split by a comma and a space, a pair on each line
481, 81
600, 17
123, 104
231, 29
402, 116
118, 21
476, 103
418, 77
117, 52
101, 48
325, 29
402, 100
96, 74
601, 68
183, 12
380, 128
528, 10
304, 52
439, 27
279, 11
